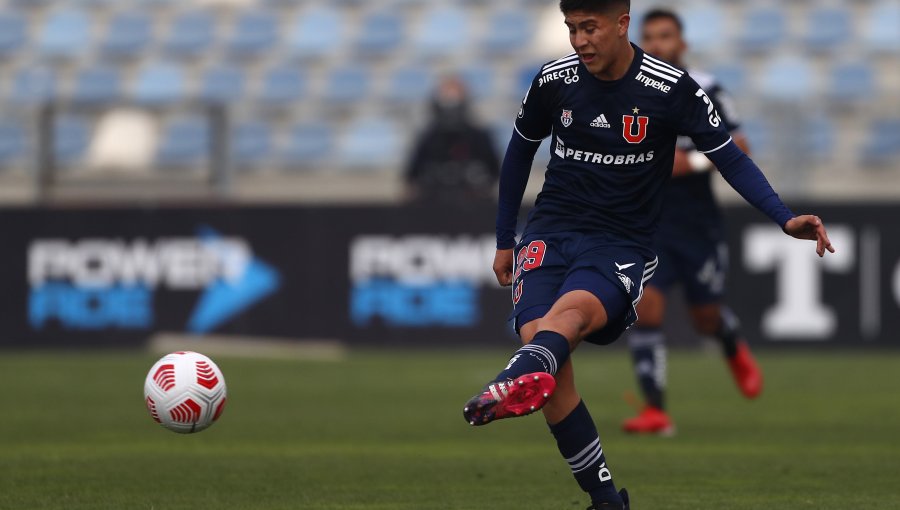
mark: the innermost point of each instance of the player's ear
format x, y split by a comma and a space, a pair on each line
623, 23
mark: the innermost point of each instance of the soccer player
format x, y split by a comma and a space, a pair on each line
691, 248
579, 269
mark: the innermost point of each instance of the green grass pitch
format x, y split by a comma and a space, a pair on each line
383, 430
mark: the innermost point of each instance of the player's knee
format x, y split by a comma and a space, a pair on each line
571, 323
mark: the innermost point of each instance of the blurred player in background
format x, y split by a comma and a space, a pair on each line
580, 267
690, 244
454, 158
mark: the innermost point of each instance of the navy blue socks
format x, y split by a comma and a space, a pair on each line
547, 352
578, 442
648, 353
728, 332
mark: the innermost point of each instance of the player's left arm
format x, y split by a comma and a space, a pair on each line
697, 117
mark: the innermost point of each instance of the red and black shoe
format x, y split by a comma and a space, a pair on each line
745, 371
651, 421
508, 399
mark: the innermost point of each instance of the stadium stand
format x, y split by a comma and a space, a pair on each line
306, 81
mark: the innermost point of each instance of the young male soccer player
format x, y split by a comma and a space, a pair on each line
690, 244
614, 113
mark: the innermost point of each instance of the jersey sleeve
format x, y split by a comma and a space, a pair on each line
697, 116
534, 121
726, 108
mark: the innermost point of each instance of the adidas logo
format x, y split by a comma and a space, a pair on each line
600, 122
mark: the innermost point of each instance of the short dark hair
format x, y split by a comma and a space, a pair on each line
660, 13
603, 6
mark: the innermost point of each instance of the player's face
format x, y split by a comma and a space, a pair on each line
662, 38
597, 38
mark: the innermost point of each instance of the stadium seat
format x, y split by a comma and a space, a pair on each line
479, 80
409, 85
703, 28
65, 34
508, 30
71, 137
316, 33
250, 143
13, 32
827, 28
96, 84
223, 84
443, 31
818, 139
882, 142
13, 142
370, 142
33, 85
732, 76
159, 82
307, 144
787, 78
763, 30
128, 34
851, 82
184, 141
759, 135
253, 33
191, 34
524, 77
347, 84
282, 84
880, 27
381, 32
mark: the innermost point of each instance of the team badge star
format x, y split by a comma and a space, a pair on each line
635, 110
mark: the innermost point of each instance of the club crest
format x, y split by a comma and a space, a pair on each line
566, 118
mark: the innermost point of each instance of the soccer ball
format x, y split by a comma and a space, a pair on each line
185, 392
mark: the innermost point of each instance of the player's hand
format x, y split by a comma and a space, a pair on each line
503, 266
809, 227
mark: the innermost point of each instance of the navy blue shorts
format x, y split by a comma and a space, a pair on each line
550, 265
696, 257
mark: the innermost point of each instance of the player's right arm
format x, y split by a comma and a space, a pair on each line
532, 125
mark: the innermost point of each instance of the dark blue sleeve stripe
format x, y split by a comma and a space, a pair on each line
513, 179
747, 179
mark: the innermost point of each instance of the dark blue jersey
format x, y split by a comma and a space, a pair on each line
689, 199
613, 144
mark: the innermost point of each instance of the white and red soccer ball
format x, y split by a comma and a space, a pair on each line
185, 392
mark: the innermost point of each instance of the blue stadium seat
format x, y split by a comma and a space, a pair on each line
703, 27
223, 84
282, 84
307, 144
479, 80
370, 142
347, 84
381, 32
852, 82
33, 85
159, 82
96, 84
71, 137
508, 30
13, 32
880, 28
882, 145
409, 85
251, 143
191, 34
184, 141
818, 139
524, 77
763, 29
13, 142
316, 33
128, 34
787, 78
253, 33
65, 34
759, 135
443, 31
827, 28
732, 76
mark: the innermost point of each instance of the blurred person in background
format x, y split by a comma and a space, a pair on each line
690, 243
454, 158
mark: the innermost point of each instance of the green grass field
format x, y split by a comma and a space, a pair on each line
384, 431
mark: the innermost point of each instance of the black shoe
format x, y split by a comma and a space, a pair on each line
625, 505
